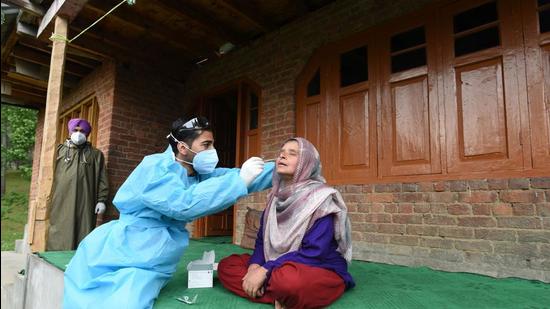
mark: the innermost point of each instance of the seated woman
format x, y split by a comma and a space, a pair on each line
303, 246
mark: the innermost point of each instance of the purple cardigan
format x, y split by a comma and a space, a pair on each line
318, 249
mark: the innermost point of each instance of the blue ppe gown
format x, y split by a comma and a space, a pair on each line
126, 262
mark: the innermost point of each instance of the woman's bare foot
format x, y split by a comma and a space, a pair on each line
278, 305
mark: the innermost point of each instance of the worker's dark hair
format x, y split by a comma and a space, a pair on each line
187, 131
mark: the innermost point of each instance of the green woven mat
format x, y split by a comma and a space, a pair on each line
378, 286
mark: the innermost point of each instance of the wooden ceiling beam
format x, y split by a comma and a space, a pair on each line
29, 93
105, 44
15, 84
84, 56
245, 14
21, 92
29, 88
26, 30
159, 34
43, 59
71, 54
41, 84
183, 10
27, 6
8, 46
23, 100
122, 48
166, 60
68, 9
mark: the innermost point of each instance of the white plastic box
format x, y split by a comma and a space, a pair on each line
200, 273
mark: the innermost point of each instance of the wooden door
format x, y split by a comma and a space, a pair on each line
221, 110
248, 122
481, 48
234, 112
536, 18
410, 143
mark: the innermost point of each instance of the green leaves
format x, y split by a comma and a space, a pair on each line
18, 131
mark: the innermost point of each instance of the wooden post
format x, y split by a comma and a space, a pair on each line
39, 214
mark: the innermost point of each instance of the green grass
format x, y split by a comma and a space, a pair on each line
14, 209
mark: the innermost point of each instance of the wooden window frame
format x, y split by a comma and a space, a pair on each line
88, 109
526, 123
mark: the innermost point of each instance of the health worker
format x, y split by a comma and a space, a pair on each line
126, 262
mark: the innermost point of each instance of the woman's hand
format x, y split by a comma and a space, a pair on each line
254, 280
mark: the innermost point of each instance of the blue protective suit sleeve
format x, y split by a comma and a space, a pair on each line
263, 181
168, 195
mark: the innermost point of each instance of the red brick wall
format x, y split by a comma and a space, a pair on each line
146, 104
499, 227
496, 227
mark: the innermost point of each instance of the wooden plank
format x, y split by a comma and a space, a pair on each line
183, 10
31, 94
26, 29
20, 83
168, 61
87, 58
28, 80
69, 9
43, 59
25, 88
125, 18
18, 101
48, 153
243, 13
10, 43
537, 62
27, 6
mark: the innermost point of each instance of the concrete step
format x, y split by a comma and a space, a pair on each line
12, 263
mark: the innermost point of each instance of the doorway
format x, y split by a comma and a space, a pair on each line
233, 111
221, 110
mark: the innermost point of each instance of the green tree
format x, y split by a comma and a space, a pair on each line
18, 129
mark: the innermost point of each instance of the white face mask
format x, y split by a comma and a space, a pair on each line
78, 138
204, 162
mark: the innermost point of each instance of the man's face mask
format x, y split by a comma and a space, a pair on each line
78, 138
204, 161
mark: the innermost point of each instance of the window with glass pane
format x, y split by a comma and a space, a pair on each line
544, 15
354, 66
314, 85
476, 29
408, 50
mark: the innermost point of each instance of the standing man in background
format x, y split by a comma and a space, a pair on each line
80, 189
